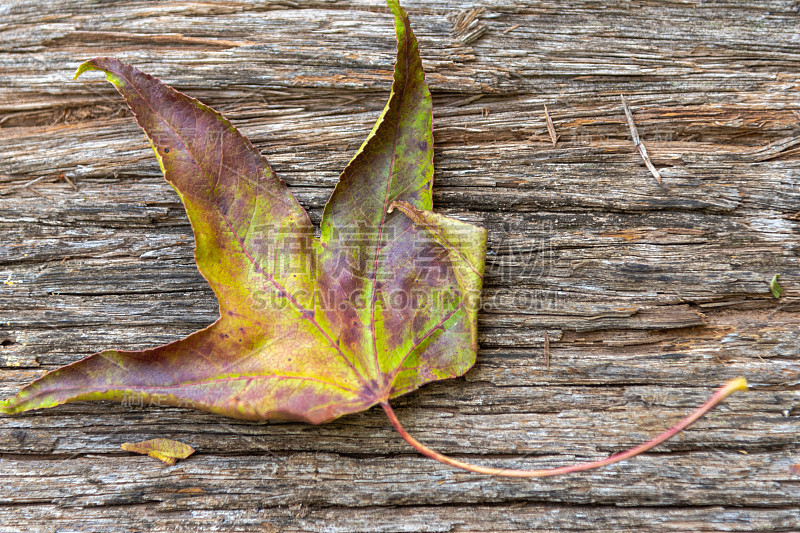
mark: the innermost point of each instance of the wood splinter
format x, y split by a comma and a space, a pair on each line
64, 177
637, 143
551, 129
26, 185
546, 350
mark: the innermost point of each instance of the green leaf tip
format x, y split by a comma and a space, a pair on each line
12, 406
775, 287
86, 65
92, 65
394, 5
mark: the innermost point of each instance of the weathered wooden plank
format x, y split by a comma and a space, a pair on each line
322, 479
650, 295
582, 422
436, 518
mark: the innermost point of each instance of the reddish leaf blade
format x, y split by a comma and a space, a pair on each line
234, 200
433, 335
267, 356
395, 162
393, 292
215, 370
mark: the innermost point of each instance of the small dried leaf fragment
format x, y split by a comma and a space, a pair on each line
775, 287
165, 450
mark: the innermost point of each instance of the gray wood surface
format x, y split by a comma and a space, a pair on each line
651, 295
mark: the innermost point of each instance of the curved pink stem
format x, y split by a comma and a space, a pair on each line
738, 384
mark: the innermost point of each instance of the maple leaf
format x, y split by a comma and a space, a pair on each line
310, 328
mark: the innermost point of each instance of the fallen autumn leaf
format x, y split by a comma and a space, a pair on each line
310, 328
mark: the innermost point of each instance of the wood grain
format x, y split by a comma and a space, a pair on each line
651, 295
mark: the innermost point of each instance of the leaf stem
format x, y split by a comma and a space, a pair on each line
738, 384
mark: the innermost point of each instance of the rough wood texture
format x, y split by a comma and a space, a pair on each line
651, 295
